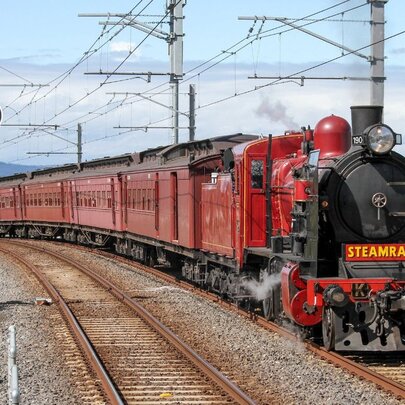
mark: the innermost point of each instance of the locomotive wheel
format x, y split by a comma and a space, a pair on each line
267, 308
271, 305
329, 328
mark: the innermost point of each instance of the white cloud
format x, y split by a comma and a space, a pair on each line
123, 46
297, 106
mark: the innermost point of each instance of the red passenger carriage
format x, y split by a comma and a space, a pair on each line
274, 221
162, 195
11, 207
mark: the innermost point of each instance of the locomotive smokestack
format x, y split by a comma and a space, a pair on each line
364, 116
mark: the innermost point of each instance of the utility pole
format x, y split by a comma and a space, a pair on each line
174, 38
376, 59
79, 143
192, 112
176, 59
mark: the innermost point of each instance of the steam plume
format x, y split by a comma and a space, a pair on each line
261, 289
276, 112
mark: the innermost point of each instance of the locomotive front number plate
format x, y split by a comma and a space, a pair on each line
374, 252
358, 140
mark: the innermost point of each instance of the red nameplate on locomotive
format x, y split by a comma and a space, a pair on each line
374, 252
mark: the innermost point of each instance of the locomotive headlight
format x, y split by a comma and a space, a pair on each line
380, 139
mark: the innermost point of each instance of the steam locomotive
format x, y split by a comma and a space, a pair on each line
308, 224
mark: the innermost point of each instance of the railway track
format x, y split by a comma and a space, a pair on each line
391, 365
135, 357
385, 370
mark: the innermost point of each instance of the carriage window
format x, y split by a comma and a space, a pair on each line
109, 200
149, 201
257, 174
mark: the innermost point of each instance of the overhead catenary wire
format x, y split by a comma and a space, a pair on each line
86, 55
16, 75
92, 91
244, 39
281, 80
225, 56
277, 81
228, 53
108, 76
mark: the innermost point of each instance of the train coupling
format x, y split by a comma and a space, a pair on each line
389, 300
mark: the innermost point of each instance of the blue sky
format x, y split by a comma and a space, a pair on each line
41, 40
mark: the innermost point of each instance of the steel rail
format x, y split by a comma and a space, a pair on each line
333, 357
211, 372
109, 388
359, 370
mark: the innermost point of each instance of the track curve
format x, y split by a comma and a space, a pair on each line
124, 372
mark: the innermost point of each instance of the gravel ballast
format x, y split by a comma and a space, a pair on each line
46, 373
268, 367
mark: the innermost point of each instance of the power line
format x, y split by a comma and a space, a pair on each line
16, 75
278, 81
119, 65
244, 39
229, 48
291, 76
86, 55
228, 54
71, 69
262, 35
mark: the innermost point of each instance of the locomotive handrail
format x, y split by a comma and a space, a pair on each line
329, 158
289, 187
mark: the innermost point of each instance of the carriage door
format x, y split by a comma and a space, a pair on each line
256, 201
124, 200
156, 202
73, 200
112, 200
23, 201
60, 199
174, 194
15, 202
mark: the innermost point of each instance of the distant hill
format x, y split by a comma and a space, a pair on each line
7, 169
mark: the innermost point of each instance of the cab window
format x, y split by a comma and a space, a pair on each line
256, 174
